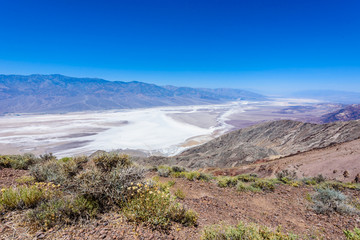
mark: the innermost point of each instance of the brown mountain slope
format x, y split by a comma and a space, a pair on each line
331, 162
351, 112
264, 141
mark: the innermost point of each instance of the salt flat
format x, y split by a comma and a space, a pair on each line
161, 130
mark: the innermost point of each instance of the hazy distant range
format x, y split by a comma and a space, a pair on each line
57, 94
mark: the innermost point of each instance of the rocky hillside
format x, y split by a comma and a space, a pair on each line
57, 93
350, 112
265, 141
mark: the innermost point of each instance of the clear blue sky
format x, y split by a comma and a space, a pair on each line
268, 45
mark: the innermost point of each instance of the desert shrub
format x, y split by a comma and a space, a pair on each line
48, 171
329, 200
227, 181
191, 176
108, 188
155, 208
47, 157
18, 161
319, 178
171, 183
243, 187
205, 177
339, 186
26, 179
72, 166
264, 185
179, 194
107, 161
178, 169
164, 172
247, 177
58, 171
314, 180
309, 181
178, 213
22, 197
243, 231
286, 176
352, 235
164, 186
62, 211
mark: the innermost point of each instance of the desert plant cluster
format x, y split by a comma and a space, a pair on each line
75, 190
71, 190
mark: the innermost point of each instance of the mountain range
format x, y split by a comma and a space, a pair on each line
58, 93
350, 112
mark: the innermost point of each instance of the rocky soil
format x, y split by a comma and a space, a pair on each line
286, 206
338, 162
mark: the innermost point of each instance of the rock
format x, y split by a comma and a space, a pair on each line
357, 178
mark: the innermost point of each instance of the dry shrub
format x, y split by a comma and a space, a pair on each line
329, 200
108, 188
62, 211
22, 197
107, 161
18, 161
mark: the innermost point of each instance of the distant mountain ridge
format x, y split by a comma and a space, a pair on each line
57, 93
348, 113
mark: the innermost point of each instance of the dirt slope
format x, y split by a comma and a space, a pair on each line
286, 206
332, 162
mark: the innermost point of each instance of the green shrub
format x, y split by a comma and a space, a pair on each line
26, 179
226, 181
107, 161
179, 194
247, 178
108, 188
178, 169
264, 185
62, 211
352, 235
243, 187
18, 161
191, 176
243, 231
314, 181
155, 208
48, 171
22, 197
164, 172
339, 186
178, 213
329, 200
72, 166
286, 176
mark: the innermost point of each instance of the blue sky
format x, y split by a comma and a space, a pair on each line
272, 46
